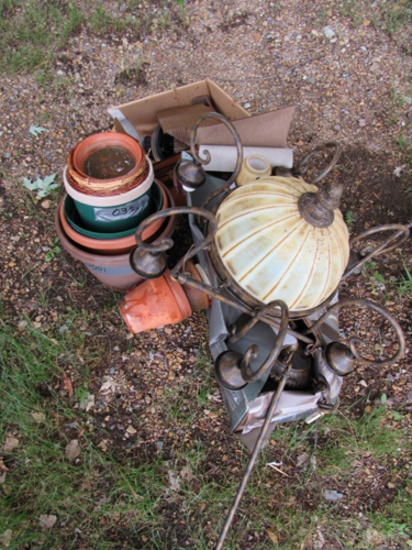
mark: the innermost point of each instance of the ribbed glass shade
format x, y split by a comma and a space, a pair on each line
272, 252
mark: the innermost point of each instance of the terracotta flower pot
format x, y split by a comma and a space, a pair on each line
113, 271
115, 245
80, 156
154, 303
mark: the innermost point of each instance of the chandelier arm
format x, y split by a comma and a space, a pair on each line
247, 373
198, 159
354, 342
303, 166
402, 232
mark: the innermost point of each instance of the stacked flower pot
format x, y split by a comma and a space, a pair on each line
110, 189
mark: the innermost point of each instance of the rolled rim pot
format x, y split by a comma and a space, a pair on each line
80, 154
113, 271
122, 244
113, 213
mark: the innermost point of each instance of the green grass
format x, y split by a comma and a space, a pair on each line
103, 497
30, 32
94, 493
33, 32
393, 17
400, 285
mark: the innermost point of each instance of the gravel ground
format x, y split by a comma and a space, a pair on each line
349, 80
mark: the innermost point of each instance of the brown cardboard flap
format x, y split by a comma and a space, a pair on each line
142, 112
181, 117
179, 121
266, 130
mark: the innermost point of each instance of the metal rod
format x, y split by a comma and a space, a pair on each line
252, 460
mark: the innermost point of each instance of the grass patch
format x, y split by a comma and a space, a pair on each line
391, 16
101, 497
30, 32
92, 494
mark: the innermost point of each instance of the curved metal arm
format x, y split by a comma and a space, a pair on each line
400, 235
233, 370
247, 373
206, 160
303, 166
354, 341
149, 260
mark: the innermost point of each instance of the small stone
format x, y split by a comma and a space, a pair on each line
72, 450
328, 32
47, 521
130, 430
247, 105
332, 495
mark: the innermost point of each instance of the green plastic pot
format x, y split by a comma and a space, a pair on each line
77, 223
115, 213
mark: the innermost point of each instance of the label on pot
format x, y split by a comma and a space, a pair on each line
123, 211
119, 271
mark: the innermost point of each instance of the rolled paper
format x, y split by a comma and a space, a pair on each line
223, 157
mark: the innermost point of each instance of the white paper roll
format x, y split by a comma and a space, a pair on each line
223, 157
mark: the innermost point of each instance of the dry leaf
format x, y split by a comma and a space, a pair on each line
109, 386
39, 417
3, 478
187, 473
272, 535
10, 444
103, 445
47, 521
67, 384
5, 538
87, 403
366, 22
304, 457
174, 480
72, 450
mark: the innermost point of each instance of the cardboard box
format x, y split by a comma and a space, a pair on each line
139, 118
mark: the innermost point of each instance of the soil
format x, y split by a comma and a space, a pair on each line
353, 87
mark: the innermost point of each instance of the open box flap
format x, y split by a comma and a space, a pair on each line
266, 130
